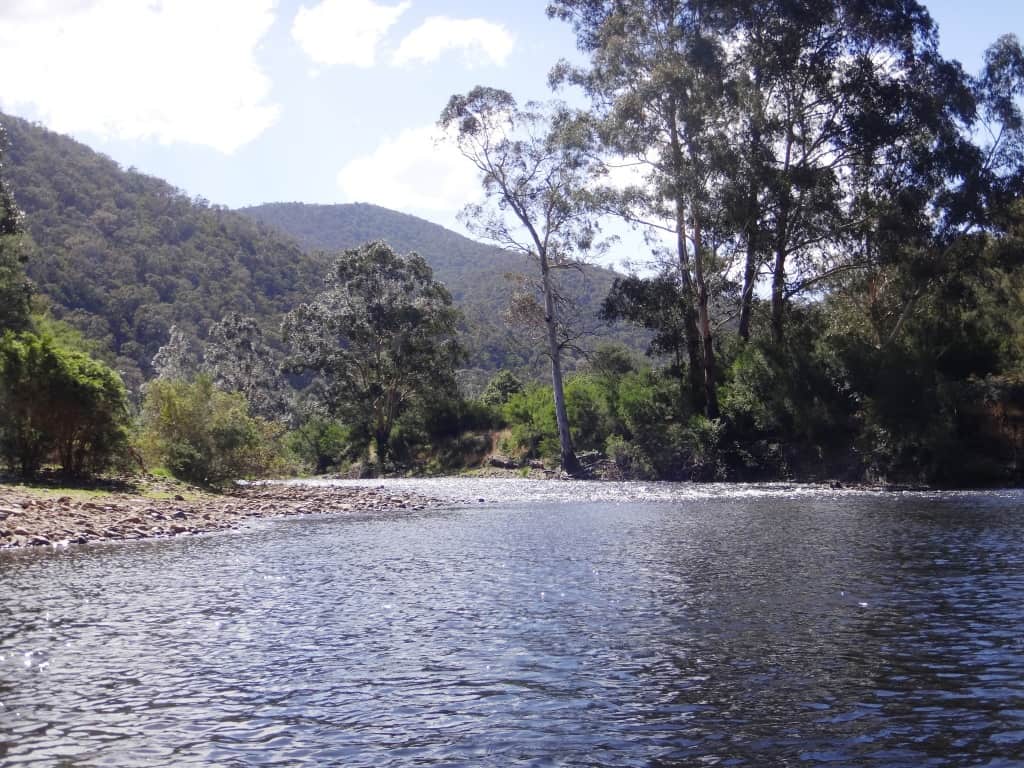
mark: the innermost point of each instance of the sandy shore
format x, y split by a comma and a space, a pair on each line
32, 518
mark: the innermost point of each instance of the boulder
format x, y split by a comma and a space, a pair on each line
503, 463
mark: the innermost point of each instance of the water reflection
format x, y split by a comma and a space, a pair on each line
773, 628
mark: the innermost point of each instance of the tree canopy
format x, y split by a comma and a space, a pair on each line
532, 173
60, 404
381, 336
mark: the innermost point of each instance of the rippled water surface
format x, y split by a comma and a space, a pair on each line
549, 624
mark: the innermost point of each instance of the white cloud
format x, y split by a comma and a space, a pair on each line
181, 71
339, 32
481, 41
412, 172
29, 9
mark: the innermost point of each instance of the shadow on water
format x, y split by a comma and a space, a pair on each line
650, 627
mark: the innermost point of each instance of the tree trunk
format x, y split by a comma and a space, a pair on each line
781, 238
697, 393
380, 439
752, 215
704, 314
778, 294
570, 464
749, 279
693, 353
747, 297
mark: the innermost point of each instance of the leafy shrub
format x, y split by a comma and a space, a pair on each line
589, 401
204, 435
629, 459
500, 388
320, 443
749, 399
703, 439
530, 415
58, 403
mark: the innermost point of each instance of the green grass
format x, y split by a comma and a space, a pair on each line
55, 492
157, 485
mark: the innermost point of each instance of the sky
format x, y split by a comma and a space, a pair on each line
321, 101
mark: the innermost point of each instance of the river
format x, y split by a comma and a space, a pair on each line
534, 623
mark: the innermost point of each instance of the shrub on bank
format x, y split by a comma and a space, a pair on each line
320, 443
60, 405
204, 435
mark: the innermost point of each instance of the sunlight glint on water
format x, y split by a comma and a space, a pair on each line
647, 625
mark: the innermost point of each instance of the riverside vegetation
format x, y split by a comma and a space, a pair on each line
837, 215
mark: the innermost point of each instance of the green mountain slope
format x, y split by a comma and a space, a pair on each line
123, 256
456, 260
475, 273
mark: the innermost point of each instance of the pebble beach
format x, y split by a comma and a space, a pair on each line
29, 518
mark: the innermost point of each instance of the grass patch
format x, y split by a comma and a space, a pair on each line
157, 486
55, 492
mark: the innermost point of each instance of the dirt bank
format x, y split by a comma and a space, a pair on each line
30, 517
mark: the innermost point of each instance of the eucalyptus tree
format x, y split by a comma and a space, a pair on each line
178, 359
661, 91
790, 115
947, 229
60, 403
533, 169
999, 90
381, 336
239, 360
846, 113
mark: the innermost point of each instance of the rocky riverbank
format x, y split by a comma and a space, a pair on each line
30, 518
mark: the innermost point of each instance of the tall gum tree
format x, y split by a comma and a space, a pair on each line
835, 98
532, 173
948, 223
790, 116
660, 92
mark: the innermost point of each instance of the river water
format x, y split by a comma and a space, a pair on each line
548, 624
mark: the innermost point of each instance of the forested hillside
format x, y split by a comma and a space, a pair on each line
123, 256
476, 274
456, 260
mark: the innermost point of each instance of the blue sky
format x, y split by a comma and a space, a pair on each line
326, 101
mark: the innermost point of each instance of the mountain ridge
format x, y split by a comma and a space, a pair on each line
475, 273
122, 256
